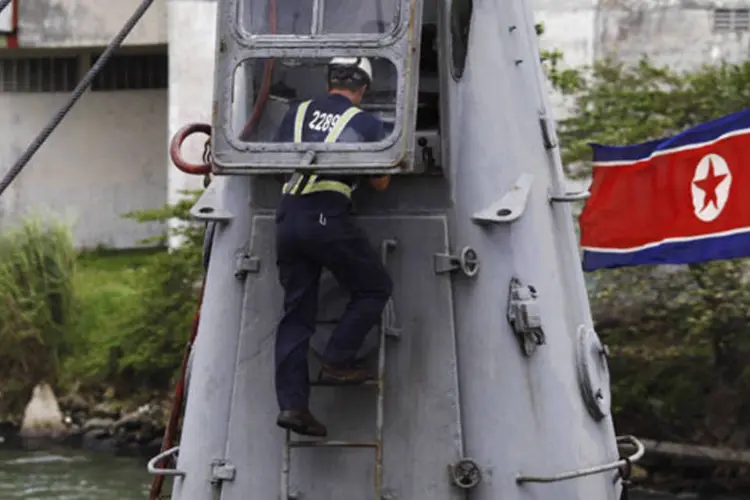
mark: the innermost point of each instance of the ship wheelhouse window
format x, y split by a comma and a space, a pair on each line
274, 56
318, 17
461, 14
270, 95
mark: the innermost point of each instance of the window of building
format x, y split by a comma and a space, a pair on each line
38, 74
461, 11
731, 20
132, 72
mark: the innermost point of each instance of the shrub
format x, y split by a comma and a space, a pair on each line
135, 318
107, 291
169, 289
37, 267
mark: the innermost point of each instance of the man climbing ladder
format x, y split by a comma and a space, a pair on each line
314, 230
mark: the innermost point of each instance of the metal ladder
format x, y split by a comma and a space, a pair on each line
386, 329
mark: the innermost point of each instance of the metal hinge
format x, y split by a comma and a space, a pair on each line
222, 470
244, 264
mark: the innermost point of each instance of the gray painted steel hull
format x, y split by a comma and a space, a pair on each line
457, 381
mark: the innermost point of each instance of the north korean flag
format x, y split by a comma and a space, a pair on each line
676, 200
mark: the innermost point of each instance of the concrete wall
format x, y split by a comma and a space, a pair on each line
568, 27
676, 33
109, 155
192, 33
106, 158
79, 23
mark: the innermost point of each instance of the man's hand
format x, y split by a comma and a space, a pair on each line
381, 182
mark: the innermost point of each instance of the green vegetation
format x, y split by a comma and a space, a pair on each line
37, 263
681, 334
99, 322
133, 327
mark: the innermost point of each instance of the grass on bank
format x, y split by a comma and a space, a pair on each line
105, 284
37, 264
96, 322
107, 292
133, 319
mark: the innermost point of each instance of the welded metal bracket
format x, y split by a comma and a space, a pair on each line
210, 206
568, 197
510, 207
152, 468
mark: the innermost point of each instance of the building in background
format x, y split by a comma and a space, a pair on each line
683, 34
109, 156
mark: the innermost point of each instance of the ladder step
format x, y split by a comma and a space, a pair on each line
332, 444
326, 383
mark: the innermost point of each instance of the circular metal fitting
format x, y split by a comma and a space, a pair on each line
593, 373
468, 260
466, 474
176, 144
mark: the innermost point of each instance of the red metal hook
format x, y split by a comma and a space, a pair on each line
176, 145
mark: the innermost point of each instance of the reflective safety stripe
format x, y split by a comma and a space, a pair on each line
341, 124
314, 185
292, 185
299, 120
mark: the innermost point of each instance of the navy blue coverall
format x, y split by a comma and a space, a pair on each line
314, 230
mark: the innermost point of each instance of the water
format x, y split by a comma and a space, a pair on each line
71, 475
76, 475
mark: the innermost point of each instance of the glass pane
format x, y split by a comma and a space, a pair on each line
295, 17
357, 16
268, 93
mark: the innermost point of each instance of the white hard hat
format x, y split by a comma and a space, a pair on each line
361, 63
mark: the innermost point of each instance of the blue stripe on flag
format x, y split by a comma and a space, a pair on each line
683, 252
705, 132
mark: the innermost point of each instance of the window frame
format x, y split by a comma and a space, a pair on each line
60, 76
252, 40
393, 154
729, 20
112, 77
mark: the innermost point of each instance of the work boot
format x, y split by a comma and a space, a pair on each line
344, 375
301, 422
